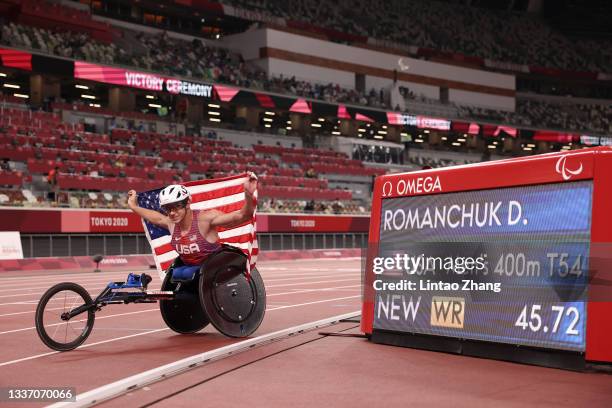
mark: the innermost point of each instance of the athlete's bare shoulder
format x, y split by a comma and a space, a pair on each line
208, 215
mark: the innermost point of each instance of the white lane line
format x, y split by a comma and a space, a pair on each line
122, 386
299, 291
82, 320
313, 303
293, 292
31, 311
310, 283
272, 286
104, 281
52, 276
80, 347
28, 280
262, 266
158, 330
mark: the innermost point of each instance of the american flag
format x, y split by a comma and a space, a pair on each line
223, 194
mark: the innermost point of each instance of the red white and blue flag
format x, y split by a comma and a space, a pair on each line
223, 194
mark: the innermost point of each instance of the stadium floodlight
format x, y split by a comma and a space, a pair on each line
85, 96
81, 86
492, 146
403, 134
461, 140
288, 128
270, 113
382, 132
214, 119
214, 113
456, 144
2, 74
318, 125
212, 105
378, 137
418, 140
361, 130
18, 95
384, 126
94, 105
288, 122
335, 132
444, 138
527, 148
426, 131
267, 125
12, 86
150, 96
268, 120
218, 36
321, 120
155, 105
531, 145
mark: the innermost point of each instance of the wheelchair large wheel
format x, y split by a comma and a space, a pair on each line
52, 323
234, 303
184, 314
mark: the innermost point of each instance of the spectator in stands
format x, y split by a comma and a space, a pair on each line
52, 180
5, 165
337, 206
310, 173
310, 206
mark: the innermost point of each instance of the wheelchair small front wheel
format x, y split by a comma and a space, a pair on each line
54, 325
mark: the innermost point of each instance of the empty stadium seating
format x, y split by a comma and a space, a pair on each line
90, 165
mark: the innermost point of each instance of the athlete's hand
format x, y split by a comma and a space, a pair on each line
132, 199
250, 185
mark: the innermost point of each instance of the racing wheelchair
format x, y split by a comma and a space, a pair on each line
219, 292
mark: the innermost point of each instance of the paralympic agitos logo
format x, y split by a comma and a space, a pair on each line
411, 186
562, 169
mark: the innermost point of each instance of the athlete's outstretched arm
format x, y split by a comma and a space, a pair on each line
243, 214
152, 216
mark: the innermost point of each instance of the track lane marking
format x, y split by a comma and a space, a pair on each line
3, 364
94, 281
293, 292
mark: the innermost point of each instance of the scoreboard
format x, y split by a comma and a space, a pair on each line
512, 252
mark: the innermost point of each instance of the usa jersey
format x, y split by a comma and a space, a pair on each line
192, 248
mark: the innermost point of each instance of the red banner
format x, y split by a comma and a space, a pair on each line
118, 76
312, 223
123, 221
140, 80
16, 59
113, 221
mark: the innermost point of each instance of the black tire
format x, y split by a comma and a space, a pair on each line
235, 304
79, 297
185, 314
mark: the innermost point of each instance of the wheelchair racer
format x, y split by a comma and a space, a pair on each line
194, 234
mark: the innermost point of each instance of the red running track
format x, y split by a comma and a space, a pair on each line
130, 339
300, 371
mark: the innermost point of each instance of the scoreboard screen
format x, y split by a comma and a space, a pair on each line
507, 265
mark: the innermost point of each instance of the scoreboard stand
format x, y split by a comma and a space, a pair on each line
510, 260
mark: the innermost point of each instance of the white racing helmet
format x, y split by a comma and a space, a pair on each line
174, 193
